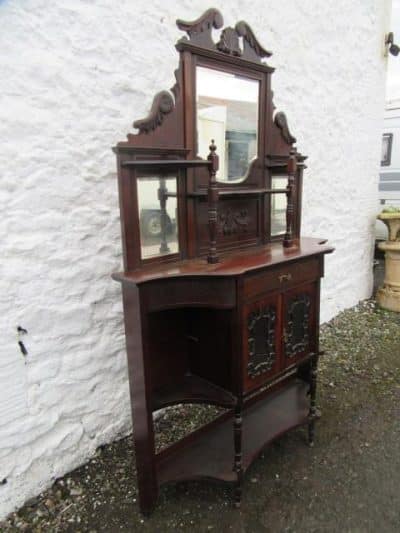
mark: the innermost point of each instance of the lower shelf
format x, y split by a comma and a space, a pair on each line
211, 454
192, 389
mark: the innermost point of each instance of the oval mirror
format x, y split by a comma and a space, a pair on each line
227, 111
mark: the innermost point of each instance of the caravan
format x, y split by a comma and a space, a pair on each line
389, 175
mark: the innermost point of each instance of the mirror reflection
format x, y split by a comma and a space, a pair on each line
227, 111
158, 216
278, 206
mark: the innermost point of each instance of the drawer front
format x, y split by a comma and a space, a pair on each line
281, 277
219, 293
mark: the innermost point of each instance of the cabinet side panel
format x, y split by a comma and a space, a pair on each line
129, 216
136, 330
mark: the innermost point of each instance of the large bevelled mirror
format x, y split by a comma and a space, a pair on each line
227, 111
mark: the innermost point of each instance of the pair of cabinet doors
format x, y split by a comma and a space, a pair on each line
279, 330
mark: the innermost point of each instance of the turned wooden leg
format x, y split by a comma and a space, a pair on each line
238, 467
313, 407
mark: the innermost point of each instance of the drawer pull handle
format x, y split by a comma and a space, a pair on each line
285, 277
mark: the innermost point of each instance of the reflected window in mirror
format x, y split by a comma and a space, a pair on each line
158, 216
227, 111
278, 206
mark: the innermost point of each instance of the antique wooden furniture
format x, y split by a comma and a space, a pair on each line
221, 295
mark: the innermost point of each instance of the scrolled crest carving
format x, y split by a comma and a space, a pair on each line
229, 42
199, 30
163, 104
252, 49
281, 121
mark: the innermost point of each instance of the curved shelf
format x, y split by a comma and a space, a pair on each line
211, 455
192, 389
237, 192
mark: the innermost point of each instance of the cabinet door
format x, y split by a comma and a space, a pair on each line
260, 339
299, 323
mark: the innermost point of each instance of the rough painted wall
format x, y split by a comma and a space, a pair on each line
74, 76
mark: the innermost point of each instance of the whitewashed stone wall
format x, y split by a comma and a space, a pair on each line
74, 76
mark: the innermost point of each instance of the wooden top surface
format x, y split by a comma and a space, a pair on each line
230, 264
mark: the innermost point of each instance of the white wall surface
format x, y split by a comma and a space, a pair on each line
74, 76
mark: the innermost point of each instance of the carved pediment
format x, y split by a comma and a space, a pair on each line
235, 46
252, 49
229, 42
200, 34
199, 30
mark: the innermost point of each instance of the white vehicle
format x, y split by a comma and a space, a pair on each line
389, 175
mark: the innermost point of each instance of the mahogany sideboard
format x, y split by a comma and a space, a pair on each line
221, 294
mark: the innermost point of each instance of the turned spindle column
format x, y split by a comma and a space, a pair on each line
213, 203
238, 465
162, 198
290, 190
312, 415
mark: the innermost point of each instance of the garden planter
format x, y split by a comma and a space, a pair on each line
388, 296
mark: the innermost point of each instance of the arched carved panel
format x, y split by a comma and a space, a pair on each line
261, 325
297, 328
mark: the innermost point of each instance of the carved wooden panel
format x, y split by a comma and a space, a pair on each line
299, 311
261, 325
237, 223
231, 222
261, 340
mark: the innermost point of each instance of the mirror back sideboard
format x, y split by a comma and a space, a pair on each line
221, 293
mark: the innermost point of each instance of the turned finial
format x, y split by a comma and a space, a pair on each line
214, 160
212, 203
291, 170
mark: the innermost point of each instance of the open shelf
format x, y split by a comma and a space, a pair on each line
237, 192
192, 389
211, 453
166, 163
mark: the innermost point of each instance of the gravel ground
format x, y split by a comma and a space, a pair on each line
349, 482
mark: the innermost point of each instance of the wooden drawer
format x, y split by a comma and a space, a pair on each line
219, 293
281, 277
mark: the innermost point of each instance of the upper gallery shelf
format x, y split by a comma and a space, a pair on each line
167, 163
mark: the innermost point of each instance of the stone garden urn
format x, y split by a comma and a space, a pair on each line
388, 296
